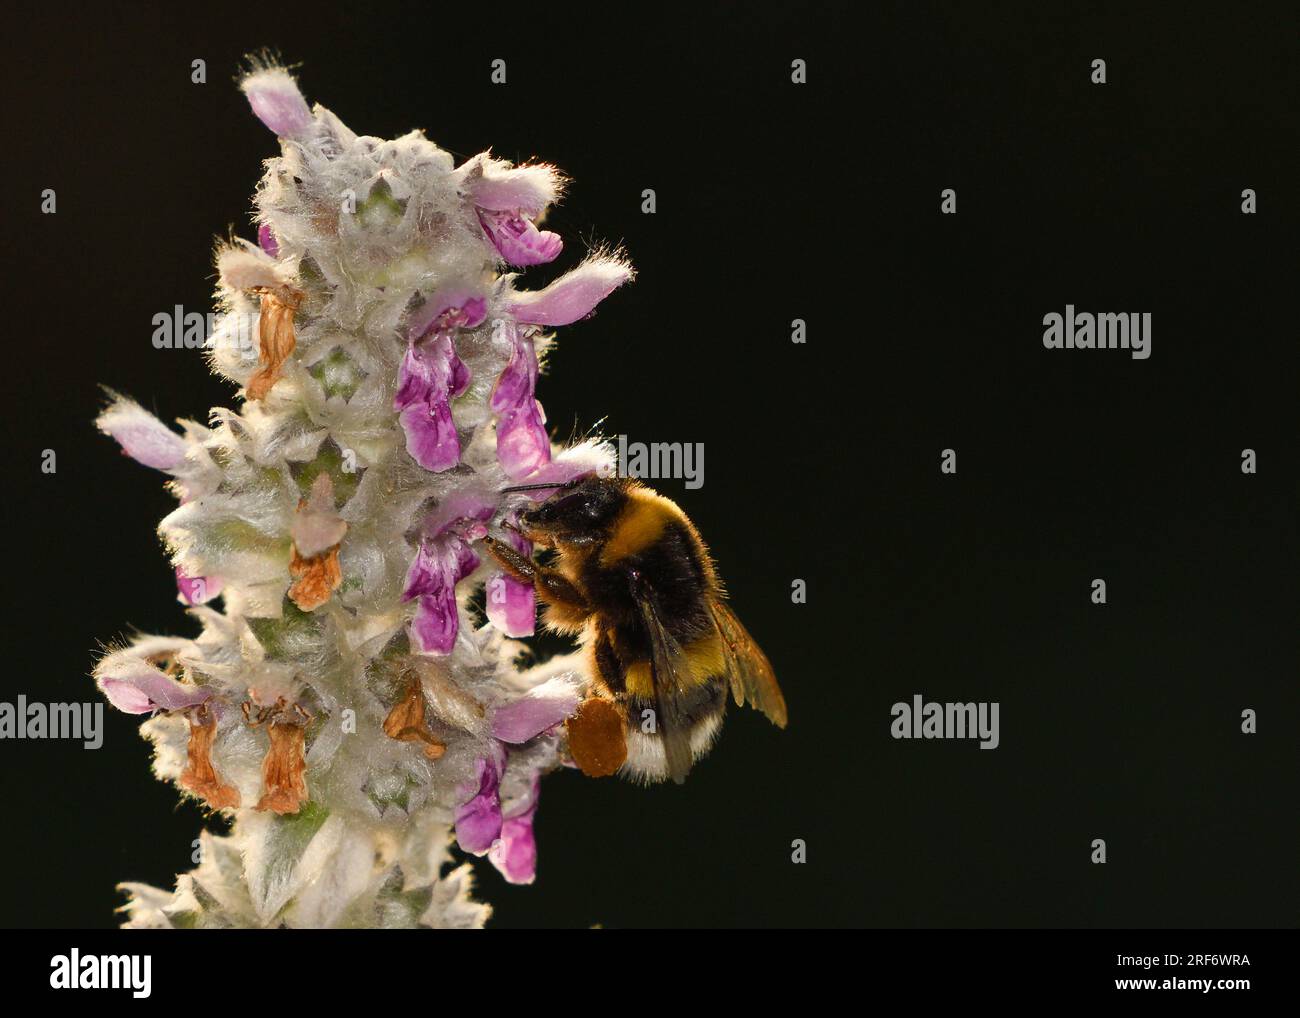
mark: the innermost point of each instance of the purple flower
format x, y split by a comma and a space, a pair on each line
464, 509
499, 187
522, 443
574, 295
267, 242
515, 386
431, 435
478, 821
435, 625
537, 711
443, 559
431, 376
141, 435
508, 200
432, 578
523, 447
511, 604
139, 688
194, 590
517, 240
446, 311
275, 99
514, 853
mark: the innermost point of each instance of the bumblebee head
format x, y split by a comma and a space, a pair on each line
583, 511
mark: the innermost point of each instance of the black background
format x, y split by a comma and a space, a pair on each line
775, 202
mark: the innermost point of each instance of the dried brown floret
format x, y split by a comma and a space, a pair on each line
405, 722
284, 769
315, 578
200, 776
276, 337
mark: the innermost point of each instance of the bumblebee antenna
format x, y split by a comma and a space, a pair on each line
533, 487
542, 485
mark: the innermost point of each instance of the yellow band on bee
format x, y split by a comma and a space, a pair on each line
704, 655
642, 522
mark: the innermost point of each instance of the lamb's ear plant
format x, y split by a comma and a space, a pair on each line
355, 704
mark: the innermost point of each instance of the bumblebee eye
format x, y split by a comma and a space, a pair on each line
569, 504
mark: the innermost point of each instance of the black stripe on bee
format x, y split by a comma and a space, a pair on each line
695, 705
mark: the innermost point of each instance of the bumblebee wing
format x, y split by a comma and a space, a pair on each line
748, 669
670, 673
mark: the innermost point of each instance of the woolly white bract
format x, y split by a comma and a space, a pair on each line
349, 705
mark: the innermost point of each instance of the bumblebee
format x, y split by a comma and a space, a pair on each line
633, 579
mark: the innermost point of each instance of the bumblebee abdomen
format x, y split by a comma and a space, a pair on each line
698, 704
706, 659
702, 708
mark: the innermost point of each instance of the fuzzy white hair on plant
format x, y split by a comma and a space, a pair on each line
345, 706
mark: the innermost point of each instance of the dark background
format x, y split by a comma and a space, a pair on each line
776, 202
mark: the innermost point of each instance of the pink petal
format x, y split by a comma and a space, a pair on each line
466, 560
478, 821
517, 240
267, 242
448, 309
197, 589
500, 187
458, 374
434, 628
431, 435
522, 443
511, 606
540, 709
431, 375
277, 102
424, 574
438, 566
314, 532
142, 436
517, 382
458, 508
415, 379
142, 689
514, 853
572, 296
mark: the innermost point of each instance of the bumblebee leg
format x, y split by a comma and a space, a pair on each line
554, 589
551, 586
518, 565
